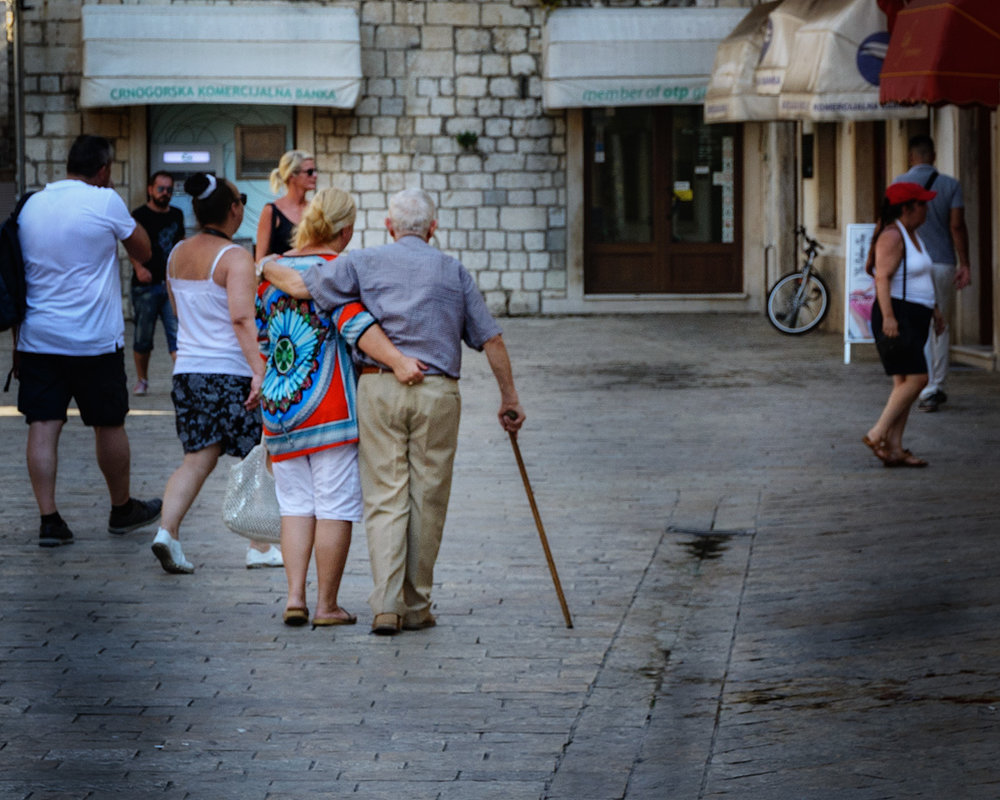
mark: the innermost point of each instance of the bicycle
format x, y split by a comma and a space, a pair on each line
799, 300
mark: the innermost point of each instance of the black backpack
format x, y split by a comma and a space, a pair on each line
13, 291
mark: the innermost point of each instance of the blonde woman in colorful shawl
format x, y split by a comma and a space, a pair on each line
310, 423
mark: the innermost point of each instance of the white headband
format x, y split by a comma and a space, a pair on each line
211, 186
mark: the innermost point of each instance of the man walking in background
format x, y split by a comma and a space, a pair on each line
945, 235
165, 226
71, 344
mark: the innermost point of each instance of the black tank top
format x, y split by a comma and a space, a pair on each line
281, 232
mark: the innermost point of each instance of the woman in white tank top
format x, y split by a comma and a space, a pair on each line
218, 372
901, 317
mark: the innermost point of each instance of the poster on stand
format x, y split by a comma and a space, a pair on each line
859, 289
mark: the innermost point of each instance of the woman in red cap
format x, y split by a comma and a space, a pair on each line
901, 316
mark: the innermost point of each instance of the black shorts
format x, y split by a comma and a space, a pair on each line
47, 382
210, 411
914, 325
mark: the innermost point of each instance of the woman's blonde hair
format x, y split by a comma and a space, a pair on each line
327, 214
288, 165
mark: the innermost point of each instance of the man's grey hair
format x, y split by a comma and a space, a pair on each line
411, 211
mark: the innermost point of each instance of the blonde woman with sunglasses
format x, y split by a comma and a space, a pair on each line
295, 175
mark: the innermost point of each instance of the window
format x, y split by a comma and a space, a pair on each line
258, 149
661, 193
622, 175
826, 174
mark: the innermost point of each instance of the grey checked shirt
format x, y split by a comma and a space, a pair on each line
426, 302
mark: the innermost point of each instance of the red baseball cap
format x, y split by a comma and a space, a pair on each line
899, 193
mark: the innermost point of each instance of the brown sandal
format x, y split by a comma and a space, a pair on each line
323, 622
910, 460
295, 616
880, 449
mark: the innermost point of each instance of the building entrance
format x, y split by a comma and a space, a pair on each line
239, 142
661, 199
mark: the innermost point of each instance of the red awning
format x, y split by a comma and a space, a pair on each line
944, 52
891, 8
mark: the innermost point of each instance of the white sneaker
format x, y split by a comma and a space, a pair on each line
269, 558
168, 550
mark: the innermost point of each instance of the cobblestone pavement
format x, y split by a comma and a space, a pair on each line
761, 611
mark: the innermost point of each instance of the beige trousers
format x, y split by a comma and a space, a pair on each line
408, 436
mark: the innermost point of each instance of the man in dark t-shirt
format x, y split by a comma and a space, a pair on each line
165, 225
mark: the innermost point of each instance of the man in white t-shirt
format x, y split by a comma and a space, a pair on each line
71, 342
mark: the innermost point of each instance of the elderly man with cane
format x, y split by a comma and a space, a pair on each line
428, 304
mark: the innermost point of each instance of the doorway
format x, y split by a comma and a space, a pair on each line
661, 191
221, 129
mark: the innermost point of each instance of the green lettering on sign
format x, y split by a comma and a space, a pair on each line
660, 93
221, 92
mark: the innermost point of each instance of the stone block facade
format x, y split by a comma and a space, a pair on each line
435, 73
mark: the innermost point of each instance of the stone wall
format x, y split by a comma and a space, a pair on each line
440, 75
53, 60
434, 71
451, 102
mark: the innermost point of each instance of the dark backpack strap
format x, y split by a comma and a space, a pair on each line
20, 204
930, 180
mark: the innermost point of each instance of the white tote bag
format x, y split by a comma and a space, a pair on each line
250, 506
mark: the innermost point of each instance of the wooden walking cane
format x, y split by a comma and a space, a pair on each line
538, 522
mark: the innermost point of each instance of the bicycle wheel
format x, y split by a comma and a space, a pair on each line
794, 312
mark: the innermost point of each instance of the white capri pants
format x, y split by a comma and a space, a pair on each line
323, 485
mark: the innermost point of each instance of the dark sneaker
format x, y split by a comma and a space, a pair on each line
53, 534
932, 401
136, 514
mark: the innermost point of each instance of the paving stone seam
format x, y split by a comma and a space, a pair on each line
600, 670
710, 756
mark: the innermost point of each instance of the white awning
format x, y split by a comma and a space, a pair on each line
290, 54
782, 24
731, 96
631, 56
833, 71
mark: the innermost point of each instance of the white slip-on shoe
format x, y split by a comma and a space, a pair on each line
269, 558
168, 550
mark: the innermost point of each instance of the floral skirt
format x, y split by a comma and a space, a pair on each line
210, 410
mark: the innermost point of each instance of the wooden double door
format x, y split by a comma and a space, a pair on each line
662, 202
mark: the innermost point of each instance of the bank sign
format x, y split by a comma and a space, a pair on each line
102, 92
602, 92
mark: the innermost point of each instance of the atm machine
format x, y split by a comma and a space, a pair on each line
183, 160
225, 140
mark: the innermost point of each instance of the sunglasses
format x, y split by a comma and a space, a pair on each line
243, 198
163, 189
310, 172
